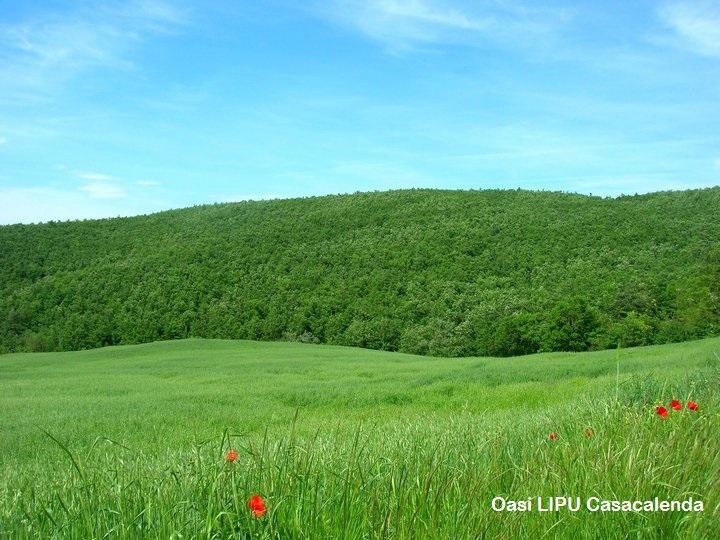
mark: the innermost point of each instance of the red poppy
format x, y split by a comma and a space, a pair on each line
692, 406
675, 404
256, 504
231, 456
552, 436
662, 411
588, 432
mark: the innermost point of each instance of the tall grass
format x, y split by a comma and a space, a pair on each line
430, 474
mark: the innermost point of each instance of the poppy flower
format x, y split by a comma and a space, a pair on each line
692, 406
675, 404
588, 432
256, 504
231, 456
552, 436
662, 411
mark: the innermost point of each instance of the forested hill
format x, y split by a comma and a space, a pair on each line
433, 272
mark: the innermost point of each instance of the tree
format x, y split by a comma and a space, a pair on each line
570, 326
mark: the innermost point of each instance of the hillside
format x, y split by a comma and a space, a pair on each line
130, 441
451, 273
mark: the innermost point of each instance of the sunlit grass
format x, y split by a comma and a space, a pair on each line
347, 443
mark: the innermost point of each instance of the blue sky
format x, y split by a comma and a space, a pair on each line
124, 108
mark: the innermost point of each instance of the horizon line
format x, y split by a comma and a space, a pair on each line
369, 192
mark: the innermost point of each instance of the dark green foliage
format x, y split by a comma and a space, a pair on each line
516, 335
449, 273
571, 326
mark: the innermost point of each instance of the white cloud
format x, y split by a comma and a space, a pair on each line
147, 183
421, 12
33, 205
45, 203
94, 176
158, 14
404, 24
100, 185
39, 53
3, 140
696, 25
103, 190
30, 205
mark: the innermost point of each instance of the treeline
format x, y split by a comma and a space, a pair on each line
450, 273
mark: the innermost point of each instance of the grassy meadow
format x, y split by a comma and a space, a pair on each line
130, 441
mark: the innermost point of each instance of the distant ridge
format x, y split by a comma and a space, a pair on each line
451, 273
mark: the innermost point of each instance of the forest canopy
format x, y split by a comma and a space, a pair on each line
451, 273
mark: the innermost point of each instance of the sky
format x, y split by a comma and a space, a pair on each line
124, 108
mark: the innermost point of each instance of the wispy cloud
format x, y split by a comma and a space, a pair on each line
44, 203
101, 185
406, 24
147, 183
94, 176
3, 140
50, 48
695, 25
31, 205
103, 190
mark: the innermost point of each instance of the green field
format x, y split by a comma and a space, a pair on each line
349, 443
